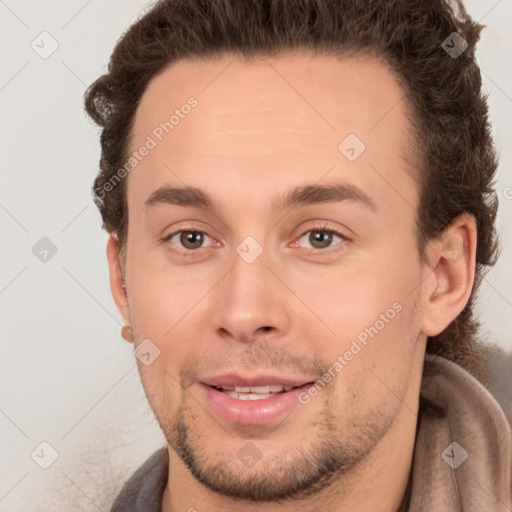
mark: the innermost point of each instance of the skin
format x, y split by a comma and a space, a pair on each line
260, 128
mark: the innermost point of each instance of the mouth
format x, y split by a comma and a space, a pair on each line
255, 401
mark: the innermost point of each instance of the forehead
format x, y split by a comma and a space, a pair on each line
263, 123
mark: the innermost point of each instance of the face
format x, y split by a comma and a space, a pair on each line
271, 242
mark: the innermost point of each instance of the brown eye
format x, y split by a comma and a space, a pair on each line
191, 239
187, 240
320, 238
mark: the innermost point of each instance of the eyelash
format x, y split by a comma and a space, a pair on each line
195, 253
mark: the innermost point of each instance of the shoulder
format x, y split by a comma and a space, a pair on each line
499, 378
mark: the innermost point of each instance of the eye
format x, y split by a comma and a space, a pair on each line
321, 238
189, 240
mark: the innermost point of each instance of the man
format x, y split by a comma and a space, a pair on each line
299, 199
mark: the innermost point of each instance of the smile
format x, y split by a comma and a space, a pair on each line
255, 401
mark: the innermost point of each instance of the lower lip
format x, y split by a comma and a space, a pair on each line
253, 412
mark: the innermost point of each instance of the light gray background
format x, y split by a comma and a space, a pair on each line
67, 377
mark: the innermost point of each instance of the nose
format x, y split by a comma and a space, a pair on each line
251, 302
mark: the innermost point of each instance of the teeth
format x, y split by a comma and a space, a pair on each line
260, 389
248, 396
253, 392
256, 389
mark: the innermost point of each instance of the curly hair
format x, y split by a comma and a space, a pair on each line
455, 159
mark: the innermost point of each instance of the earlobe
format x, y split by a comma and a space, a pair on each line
126, 333
452, 261
117, 286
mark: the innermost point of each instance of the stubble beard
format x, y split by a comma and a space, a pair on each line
331, 450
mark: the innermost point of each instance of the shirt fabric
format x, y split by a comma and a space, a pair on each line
462, 456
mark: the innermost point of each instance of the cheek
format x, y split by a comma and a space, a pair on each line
373, 351
349, 299
372, 314
160, 312
159, 297
172, 314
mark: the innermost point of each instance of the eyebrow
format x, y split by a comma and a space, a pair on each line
299, 196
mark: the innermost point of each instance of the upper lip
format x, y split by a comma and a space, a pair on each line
233, 379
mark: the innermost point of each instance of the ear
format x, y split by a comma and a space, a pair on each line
116, 279
452, 261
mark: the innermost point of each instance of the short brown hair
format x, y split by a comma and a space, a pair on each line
455, 156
